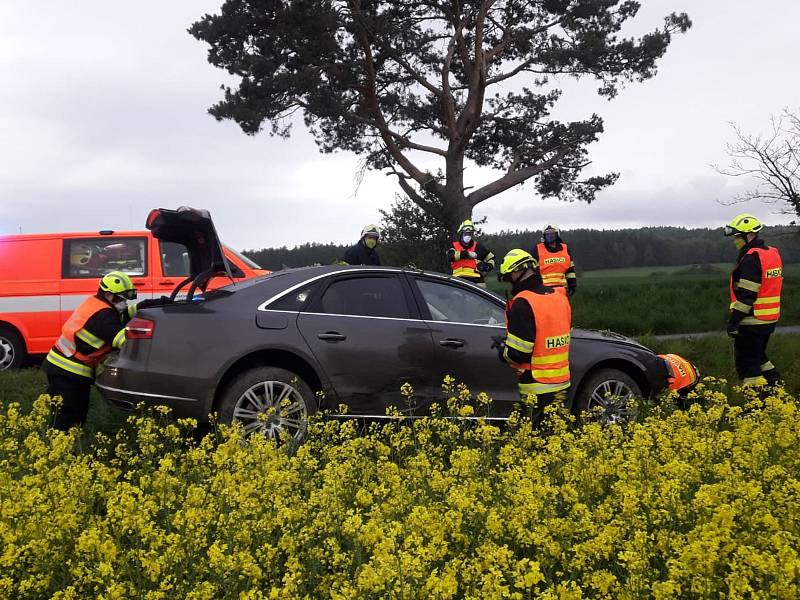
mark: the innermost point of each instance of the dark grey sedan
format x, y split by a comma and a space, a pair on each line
270, 351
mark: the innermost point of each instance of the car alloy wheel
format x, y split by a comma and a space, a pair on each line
612, 399
272, 408
6, 353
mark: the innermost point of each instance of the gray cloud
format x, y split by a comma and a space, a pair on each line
106, 117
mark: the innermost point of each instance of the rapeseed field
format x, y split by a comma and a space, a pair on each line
701, 503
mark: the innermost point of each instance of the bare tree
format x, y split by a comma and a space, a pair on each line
773, 160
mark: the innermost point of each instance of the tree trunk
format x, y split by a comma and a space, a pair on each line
456, 207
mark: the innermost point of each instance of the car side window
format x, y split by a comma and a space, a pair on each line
293, 301
174, 259
94, 257
364, 297
457, 305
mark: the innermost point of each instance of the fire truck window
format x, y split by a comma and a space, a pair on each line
174, 259
97, 256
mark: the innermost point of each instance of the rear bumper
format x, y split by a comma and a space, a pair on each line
126, 386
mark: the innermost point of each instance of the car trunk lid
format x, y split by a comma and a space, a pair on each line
193, 228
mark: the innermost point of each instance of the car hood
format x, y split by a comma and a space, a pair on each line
193, 228
606, 335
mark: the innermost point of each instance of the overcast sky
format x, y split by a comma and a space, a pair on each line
103, 116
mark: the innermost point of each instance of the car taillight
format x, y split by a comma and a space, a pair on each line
139, 329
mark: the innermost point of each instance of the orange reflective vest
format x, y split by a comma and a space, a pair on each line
682, 373
550, 357
465, 267
64, 353
554, 265
766, 309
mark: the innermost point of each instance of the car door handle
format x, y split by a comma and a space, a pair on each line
166, 283
138, 283
332, 336
451, 343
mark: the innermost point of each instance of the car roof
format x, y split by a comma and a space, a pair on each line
299, 274
292, 278
73, 234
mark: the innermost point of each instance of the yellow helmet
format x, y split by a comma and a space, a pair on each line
80, 255
119, 284
515, 260
467, 225
743, 224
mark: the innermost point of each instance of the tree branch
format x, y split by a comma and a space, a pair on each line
448, 102
370, 93
411, 71
513, 178
415, 197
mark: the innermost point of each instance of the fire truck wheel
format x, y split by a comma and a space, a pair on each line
12, 348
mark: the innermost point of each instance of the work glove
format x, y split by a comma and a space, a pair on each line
485, 267
571, 287
152, 302
472, 255
732, 330
499, 343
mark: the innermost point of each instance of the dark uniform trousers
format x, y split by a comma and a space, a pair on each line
74, 393
750, 353
542, 401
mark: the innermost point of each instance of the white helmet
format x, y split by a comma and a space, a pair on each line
371, 230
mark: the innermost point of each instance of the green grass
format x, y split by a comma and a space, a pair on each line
722, 268
652, 300
713, 355
25, 385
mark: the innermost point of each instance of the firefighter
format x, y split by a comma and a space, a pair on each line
538, 323
755, 291
95, 328
682, 376
468, 259
555, 263
364, 252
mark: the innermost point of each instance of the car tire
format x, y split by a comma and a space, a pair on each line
610, 391
12, 349
251, 398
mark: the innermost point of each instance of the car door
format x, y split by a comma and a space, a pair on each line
463, 322
363, 332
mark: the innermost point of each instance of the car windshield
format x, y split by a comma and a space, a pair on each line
250, 263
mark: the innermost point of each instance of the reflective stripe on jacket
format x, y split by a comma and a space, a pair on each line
766, 309
682, 373
64, 353
553, 265
465, 267
550, 357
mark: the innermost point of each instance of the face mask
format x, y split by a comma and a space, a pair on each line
739, 242
370, 242
466, 238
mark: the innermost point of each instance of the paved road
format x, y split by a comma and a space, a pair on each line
676, 336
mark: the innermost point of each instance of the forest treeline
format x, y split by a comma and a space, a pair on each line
591, 249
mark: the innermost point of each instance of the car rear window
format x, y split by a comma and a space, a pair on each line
364, 297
